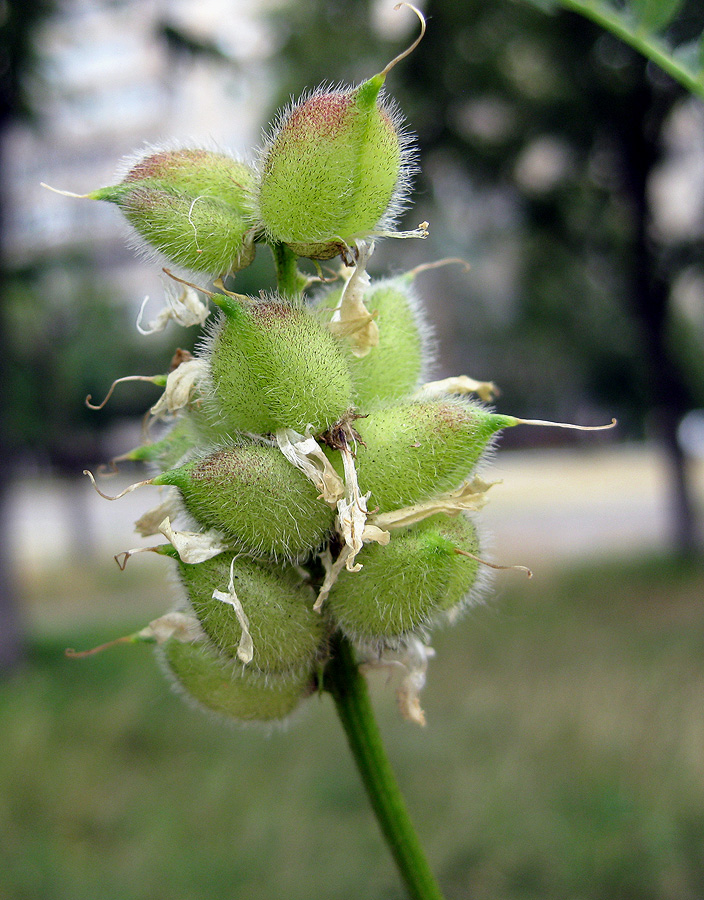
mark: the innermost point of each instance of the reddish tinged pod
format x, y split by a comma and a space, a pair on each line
193, 205
336, 168
273, 365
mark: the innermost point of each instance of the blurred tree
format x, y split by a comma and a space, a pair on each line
597, 110
17, 22
540, 135
63, 334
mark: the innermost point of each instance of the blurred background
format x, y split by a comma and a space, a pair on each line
563, 757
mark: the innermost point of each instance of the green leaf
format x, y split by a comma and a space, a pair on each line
653, 15
636, 24
546, 6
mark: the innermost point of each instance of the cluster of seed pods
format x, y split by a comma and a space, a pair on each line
313, 481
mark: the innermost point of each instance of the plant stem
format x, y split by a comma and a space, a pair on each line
349, 690
287, 277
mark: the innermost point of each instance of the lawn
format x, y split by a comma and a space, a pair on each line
563, 757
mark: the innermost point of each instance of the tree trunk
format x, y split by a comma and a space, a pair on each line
651, 278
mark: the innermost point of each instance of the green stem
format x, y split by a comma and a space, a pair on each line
645, 42
349, 690
288, 280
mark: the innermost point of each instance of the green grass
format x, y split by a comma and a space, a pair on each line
563, 758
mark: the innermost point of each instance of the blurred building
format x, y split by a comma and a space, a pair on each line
114, 77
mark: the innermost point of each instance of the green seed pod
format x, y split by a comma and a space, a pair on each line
273, 365
417, 449
398, 364
406, 584
335, 169
169, 449
226, 687
194, 206
193, 428
285, 632
254, 496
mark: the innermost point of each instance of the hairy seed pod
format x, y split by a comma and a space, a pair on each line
414, 450
193, 428
398, 364
285, 632
406, 584
254, 496
169, 449
194, 206
226, 687
273, 365
334, 170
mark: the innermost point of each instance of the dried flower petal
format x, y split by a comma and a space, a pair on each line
306, 454
460, 384
193, 547
412, 662
178, 625
183, 306
149, 523
180, 387
471, 495
352, 318
245, 649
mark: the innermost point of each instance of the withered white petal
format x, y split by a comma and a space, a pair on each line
306, 454
245, 649
352, 318
332, 572
148, 524
193, 546
178, 625
459, 384
183, 306
470, 495
180, 387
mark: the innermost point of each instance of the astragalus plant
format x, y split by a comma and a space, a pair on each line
316, 488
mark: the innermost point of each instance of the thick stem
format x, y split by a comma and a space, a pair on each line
349, 690
287, 277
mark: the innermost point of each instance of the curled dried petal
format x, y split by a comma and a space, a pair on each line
459, 384
183, 306
470, 495
193, 546
245, 649
306, 454
180, 388
352, 318
148, 524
